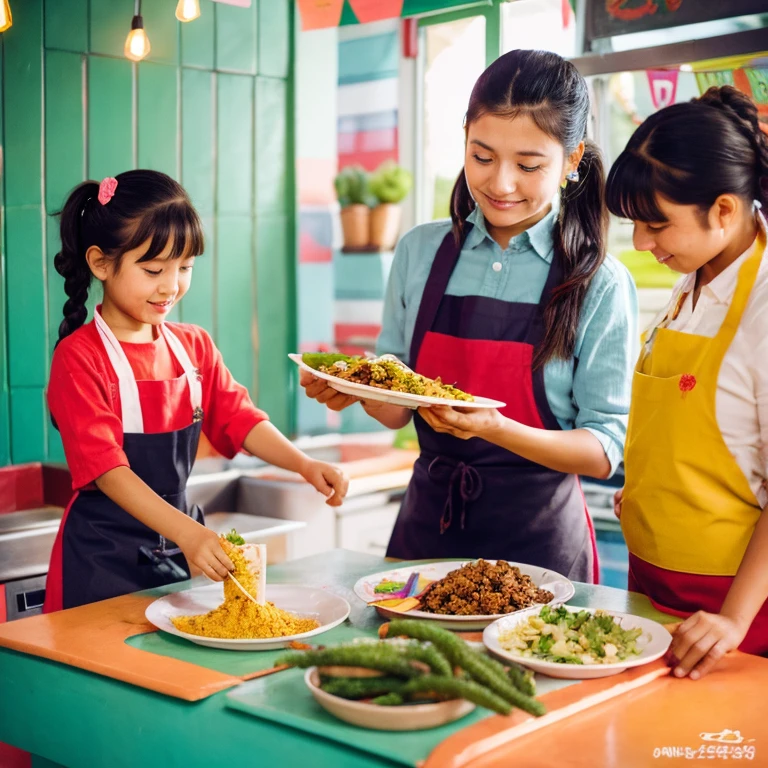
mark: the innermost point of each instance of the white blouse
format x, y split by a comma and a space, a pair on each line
742, 385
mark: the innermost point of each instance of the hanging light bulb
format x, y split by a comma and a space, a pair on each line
137, 44
5, 15
188, 10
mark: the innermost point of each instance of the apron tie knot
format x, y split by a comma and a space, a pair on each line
464, 481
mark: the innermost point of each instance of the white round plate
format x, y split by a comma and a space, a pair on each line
654, 643
406, 717
403, 399
308, 602
562, 589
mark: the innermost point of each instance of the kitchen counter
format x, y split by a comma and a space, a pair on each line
68, 717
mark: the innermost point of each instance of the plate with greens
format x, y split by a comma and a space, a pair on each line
576, 643
387, 380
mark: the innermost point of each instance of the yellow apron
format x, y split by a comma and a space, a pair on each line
687, 504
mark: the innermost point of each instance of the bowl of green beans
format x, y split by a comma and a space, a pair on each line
422, 676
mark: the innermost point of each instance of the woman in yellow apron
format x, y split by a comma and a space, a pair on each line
693, 179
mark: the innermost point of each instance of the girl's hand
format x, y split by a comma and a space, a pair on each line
618, 497
701, 641
319, 390
327, 479
462, 423
202, 548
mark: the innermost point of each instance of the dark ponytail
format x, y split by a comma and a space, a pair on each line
552, 92
70, 261
462, 205
146, 206
580, 239
691, 154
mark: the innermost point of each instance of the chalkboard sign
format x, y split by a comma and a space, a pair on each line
606, 18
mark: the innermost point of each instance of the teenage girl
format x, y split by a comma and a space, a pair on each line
131, 393
693, 179
513, 299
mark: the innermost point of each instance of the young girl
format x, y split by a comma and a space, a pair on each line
692, 179
131, 393
513, 299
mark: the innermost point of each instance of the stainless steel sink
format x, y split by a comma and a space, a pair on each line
26, 541
261, 502
247, 486
243, 494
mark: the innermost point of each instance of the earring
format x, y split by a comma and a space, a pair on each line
573, 176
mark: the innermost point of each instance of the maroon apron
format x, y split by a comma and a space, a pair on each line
471, 498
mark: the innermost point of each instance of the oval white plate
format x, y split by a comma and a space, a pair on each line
562, 589
310, 602
403, 399
407, 717
654, 643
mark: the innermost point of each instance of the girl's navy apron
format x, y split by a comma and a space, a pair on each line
101, 551
470, 498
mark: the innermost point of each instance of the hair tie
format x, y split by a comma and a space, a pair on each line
107, 190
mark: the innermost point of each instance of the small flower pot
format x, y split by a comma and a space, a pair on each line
385, 225
355, 225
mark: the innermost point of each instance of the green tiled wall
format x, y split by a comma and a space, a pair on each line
5, 404
212, 107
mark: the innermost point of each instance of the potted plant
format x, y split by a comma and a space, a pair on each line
355, 200
390, 183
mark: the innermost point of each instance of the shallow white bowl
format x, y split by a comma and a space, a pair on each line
308, 602
407, 717
654, 643
562, 589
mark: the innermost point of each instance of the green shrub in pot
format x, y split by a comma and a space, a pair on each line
353, 188
390, 183
356, 200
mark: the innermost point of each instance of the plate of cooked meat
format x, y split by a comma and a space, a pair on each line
462, 594
387, 380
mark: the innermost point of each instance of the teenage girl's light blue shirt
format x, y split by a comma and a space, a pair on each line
589, 391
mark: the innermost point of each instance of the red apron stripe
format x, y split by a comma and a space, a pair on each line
54, 588
592, 540
681, 594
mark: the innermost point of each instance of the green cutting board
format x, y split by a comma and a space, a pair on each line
231, 662
284, 698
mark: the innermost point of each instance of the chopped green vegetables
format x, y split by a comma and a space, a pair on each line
233, 537
317, 359
566, 637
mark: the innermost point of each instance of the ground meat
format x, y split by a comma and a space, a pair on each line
482, 588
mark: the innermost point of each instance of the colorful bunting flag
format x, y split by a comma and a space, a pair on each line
663, 83
319, 14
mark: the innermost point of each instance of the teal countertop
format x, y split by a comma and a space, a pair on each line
69, 717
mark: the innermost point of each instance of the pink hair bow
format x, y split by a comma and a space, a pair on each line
107, 190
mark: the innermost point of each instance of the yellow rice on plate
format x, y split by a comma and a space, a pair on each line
237, 618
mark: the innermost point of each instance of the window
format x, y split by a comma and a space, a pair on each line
454, 57
538, 24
